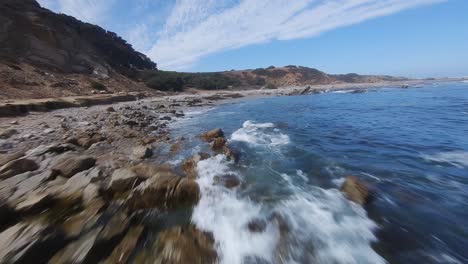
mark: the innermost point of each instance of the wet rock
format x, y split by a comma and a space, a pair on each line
16, 167
257, 225
190, 166
211, 135
77, 251
142, 152
355, 190
110, 109
126, 247
123, 180
230, 154
168, 118
181, 245
146, 170
7, 133
218, 143
164, 189
229, 181
71, 165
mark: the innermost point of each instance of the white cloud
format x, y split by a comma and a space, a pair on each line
197, 28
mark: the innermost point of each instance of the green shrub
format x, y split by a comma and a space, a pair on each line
97, 85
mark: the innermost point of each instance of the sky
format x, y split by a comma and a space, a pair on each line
412, 38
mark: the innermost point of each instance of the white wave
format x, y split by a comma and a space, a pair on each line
339, 232
343, 91
323, 227
456, 158
221, 212
302, 175
260, 134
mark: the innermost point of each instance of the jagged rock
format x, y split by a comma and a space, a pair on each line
355, 190
77, 251
16, 167
5, 158
54, 148
71, 165
7, 133
116, 226
164, 189
34, 201
190, 166
142, 152
123, 179
181, 245
230, 154
126, 247
218, 143
229, 181
25, 243
211, 135
83, 221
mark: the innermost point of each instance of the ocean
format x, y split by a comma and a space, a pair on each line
409, 145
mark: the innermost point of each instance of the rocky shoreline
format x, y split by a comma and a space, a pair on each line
81, 185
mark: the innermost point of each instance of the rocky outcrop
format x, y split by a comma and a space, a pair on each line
71, 165
181, 245
165, 189
211, 135
126, 247
355, 190
16, 167
35, 35
190, 165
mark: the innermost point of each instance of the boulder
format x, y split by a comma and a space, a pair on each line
164, 189
211, 135
71, 165
77, 251
229, 181
126, 247
53, 148
16, 167
355, 190
142, 152
110, 109
115, 227
181, 245
25, 243
190, 166
146, 170
123, 180
218, 143
7, 133
5, 158
230, 154
83, 221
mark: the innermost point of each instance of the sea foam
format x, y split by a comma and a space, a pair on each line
260, 134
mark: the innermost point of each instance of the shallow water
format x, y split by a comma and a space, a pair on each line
410, 145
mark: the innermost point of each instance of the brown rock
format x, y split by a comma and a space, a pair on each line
142, 152
110, 109
83, 221
146, 170
211, 135
77, 251
16, 167
355, 190
123, 180
5, 158
218, 143
71, 165
182, 245
7, 133
126, 247
164, 189
116, 226
190, 166
230, 154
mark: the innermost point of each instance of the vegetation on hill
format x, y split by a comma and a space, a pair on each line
177, 81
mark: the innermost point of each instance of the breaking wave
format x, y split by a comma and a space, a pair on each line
455, 158
260, 134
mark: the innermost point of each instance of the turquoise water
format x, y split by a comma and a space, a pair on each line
410, 145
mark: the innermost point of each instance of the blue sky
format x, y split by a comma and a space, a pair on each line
417, 38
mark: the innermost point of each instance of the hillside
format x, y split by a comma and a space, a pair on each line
44, 54
262, 77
